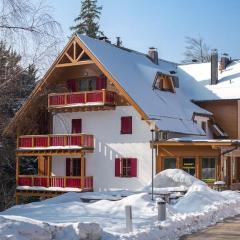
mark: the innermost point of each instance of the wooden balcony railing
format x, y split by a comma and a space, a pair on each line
55, 140
82, 98
55, 181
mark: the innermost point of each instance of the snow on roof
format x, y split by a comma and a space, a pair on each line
195, 81
135, 72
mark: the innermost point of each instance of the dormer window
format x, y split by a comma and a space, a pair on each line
164, 82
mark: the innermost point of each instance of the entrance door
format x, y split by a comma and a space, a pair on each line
189, 166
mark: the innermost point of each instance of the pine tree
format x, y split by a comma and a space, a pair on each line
19, 83
87, 21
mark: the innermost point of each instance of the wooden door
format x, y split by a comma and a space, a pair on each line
76, 125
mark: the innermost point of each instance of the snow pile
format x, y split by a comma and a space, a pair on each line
174, 178
20, 228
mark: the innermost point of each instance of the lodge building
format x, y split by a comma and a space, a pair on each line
88, 124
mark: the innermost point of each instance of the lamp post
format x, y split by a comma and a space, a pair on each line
152, 128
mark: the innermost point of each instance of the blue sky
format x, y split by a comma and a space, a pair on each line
163, 24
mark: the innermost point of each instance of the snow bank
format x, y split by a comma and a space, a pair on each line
198, 197
66, 217
20, 228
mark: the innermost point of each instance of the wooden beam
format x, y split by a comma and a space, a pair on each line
82, 172
214, 144
86, 62
74, 50
69, 57
198, 168
80, 56
17, 171
32, 153
49, 170
17, 199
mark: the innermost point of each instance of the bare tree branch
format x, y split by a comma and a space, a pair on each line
196, 51
30, 29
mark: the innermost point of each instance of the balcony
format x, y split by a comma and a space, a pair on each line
31, 181
59, 143
91, 100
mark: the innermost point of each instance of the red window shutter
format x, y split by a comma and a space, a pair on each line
133, 167
117, 167
68, 163
126, 125
101, 82
72, 85
76, 125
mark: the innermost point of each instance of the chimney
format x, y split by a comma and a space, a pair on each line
214, 66
225, 60
153, 55
119, 42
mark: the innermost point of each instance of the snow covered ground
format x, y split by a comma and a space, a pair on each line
66, 217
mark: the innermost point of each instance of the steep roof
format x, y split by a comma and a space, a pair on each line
196, 78
135, 72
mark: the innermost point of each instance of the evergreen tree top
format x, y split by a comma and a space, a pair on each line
88, 20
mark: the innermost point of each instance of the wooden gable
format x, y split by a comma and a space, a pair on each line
74, 55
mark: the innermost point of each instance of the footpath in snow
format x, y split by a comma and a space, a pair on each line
66, 217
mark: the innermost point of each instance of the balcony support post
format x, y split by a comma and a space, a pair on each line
32, 179
65, 99
49, 170
17, 170
82, 172
104, 95
65, 181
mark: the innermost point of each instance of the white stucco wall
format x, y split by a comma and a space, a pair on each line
109, 144
59, 166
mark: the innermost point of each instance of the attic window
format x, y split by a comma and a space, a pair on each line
164, 82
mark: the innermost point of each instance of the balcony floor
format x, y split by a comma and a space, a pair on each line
49, 151
50, 189
82, 107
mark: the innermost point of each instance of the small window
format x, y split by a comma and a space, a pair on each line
126, 125
170, 163
208, 168
164, 82
125, 167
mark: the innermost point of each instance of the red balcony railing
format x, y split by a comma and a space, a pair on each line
57, 140
81, 98
55, 181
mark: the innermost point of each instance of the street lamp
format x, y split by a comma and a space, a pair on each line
152, 128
